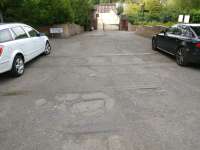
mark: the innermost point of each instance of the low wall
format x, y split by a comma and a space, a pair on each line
147, 31
111, 27
132, 28
68, 30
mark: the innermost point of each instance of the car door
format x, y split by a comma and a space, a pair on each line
173, 39
22, 42
37, 43
163, 39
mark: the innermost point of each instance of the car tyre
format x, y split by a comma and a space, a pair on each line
47, 50
18, 66
181, 57
154, 44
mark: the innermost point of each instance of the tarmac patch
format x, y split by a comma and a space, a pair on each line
40, 102
67, 97
113, 142
87, 104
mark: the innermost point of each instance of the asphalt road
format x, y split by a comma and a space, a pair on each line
101, 91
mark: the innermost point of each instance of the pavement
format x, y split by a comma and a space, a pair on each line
101, 91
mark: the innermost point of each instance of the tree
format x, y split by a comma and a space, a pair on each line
48, 12
131, 8
183, 4
2, 5
94, 2
13, 9
154, 7
38, 12
82, 12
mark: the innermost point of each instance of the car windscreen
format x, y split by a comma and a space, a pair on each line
196, 30
5, 36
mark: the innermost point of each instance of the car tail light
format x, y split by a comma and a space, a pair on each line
198, 45
1, 50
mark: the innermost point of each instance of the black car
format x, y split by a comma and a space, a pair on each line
182, 41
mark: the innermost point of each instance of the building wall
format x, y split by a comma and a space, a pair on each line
106, 19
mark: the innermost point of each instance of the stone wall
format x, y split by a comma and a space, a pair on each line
147, 31
69, 30
132, 27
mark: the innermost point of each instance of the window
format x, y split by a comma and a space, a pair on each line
177, 31
5, 36
19, 33
31, 31
196, 30
186, 32
170, 30
174, 30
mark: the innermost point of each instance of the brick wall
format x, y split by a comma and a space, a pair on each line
69, 30
147, 31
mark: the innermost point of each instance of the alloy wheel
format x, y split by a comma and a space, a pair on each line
19, 65
47, 49
180, 57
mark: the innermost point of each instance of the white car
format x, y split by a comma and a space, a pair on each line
20, 43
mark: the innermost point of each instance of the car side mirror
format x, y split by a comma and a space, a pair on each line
164, 31
40, 34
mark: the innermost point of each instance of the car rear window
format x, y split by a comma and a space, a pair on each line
5, 36
19, 33
196, 30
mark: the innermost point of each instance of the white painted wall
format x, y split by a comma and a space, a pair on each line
108, 19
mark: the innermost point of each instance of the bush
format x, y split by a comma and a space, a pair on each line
195, 16
152, 17
134, 19
158, 13
47, 12
154, 23
82, 12
168, 16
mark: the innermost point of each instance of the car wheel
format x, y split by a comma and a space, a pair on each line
180, 57
47, 49
18, 66
154, 44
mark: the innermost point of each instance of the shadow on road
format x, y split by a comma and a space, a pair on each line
167, 55
195, 66
30, 63
4, 77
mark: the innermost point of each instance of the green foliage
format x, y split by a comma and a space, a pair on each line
120, 9
47, 12
163, 12
38, 12
183, 4
154, 7
195, 16
131, 8
82, 12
